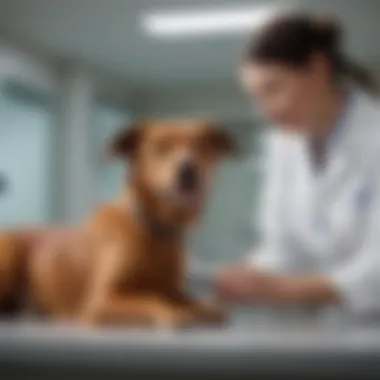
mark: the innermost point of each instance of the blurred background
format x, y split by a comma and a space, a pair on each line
73, 72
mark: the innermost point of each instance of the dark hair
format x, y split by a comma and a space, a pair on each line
291, 40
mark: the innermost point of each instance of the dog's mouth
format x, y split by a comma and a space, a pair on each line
188, 183
185, 194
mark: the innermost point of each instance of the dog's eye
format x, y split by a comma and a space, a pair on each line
162, 147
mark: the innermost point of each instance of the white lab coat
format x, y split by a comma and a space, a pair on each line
328, 222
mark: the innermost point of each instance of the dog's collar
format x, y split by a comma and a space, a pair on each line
155, 227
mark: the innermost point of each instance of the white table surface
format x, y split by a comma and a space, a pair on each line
258, 339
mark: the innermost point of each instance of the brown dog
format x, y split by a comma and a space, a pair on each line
126, 263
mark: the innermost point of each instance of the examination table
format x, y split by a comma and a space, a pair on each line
257, 343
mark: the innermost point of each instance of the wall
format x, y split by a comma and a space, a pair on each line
83, 91
74, 91
27, 68
217, 101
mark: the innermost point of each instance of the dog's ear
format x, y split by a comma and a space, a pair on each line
222, 142
126, 142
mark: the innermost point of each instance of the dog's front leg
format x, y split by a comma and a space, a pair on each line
202, 311
208, 312
138, 310
104, 303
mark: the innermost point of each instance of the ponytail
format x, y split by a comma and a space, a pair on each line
361, 77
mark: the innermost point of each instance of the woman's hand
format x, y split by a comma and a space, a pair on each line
247, 285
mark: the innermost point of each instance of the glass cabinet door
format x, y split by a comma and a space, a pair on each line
26, 129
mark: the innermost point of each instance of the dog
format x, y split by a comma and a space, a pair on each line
126, 263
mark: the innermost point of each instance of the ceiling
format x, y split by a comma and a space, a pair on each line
107, 34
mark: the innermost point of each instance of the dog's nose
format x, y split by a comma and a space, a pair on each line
188, 175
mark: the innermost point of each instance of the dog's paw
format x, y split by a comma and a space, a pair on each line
176, 318
209, 313
88, 319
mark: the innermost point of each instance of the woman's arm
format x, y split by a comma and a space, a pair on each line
355, 283
304, 289
249, 285
272, 254
255, 278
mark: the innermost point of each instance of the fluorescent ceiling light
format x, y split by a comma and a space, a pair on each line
205, 22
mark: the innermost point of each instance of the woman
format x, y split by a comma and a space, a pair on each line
322, 209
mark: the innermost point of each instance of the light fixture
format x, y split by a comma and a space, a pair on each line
206, 22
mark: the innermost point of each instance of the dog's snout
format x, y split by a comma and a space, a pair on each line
188, 175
